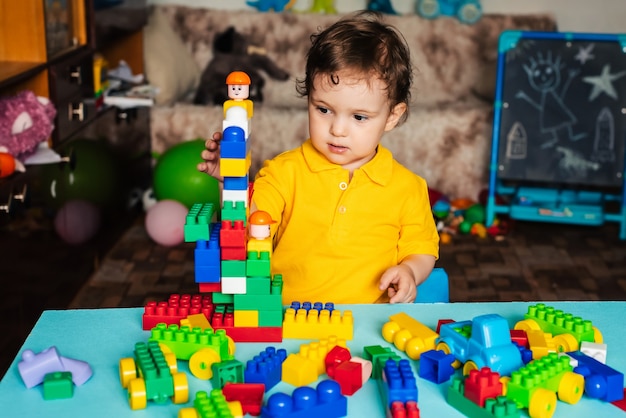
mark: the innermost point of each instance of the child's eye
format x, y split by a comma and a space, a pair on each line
360, 117
322, 110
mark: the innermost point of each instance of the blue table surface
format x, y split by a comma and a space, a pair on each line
102, 337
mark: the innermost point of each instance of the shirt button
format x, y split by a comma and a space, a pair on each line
342, 209
343, 185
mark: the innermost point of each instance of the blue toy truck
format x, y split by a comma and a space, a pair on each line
483, 342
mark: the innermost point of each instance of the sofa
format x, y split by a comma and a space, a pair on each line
446, 138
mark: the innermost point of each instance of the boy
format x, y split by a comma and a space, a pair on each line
353, 225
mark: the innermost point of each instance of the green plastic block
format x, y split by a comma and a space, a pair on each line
219, 297
198, 222
248, 302
233, 268
225, 372
557, 322
155, 371
234, 211
58, 385
185, 342
271, 318
213, 405
258, 285
499, 407
258, 264
378, 355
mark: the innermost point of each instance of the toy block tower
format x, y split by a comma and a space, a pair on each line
232, 257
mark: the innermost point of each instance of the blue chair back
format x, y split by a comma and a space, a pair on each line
435, 288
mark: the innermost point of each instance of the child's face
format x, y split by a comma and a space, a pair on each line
347, 120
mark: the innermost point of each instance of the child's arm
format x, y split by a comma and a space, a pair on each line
211, 157
401, 281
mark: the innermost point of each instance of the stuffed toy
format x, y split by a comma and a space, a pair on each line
25, 121
233, 52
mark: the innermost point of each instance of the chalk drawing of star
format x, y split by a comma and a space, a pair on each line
584, 54
603, 83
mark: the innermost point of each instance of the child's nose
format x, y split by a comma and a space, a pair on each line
338, 127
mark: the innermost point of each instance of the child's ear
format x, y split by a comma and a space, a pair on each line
394, 116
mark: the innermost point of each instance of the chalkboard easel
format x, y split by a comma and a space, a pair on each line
559, 132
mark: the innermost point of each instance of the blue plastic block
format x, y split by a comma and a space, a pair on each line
305, 402
307, 306
436, 366
398, 382
236, 183
601, 381
233, 144
207, 257
266, 367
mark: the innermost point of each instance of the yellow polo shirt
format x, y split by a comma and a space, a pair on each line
334, 236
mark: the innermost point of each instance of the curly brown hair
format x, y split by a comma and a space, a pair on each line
364, 43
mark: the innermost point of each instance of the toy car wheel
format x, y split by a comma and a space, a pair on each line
188, 413
389, 330
200, 363
137, 397
181, 388
428, 8
542, 404
597, 336
571, 388
468, 367
565, 343
469, 13
527, 325
128, 371
414, 348
446, 349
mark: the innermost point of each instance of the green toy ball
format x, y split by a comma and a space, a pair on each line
475, 214
177, 178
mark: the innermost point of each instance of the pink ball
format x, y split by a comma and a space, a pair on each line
77, 221
165, 222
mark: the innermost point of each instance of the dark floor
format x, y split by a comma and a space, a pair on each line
534, 261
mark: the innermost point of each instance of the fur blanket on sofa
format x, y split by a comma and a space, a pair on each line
447, 136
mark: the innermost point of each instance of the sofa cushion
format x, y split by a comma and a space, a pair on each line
169, 65
453, 60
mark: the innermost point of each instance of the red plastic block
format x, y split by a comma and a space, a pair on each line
349, 375
209, 287
519, 336
334, 358
481, 385
404, 410
621, 404
443, 321
232, 234
250, 395
176, 308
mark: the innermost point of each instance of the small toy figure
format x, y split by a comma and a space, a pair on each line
260, 223
238, 84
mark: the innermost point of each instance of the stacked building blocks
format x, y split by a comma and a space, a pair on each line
379, 355
409, 335
176, 307
325, 401
201, 347
306, 321
351, 373
152, 375
233, 257
536, 385
499, 407
481, 385
568, 330
34, 367
398, 383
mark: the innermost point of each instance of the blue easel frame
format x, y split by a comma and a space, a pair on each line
536, 203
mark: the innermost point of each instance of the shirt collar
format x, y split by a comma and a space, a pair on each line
378, 169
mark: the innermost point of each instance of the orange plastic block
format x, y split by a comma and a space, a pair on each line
317, 324
196, 321
540, 343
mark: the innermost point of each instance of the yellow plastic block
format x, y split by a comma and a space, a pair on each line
235, 167
316, 324
540, 343
409, 335
196, 321
260, 245
298, 371
246, 318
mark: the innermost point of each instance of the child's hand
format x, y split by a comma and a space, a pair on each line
211, 157
400, 284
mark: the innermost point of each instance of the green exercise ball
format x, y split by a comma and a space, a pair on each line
92, 173
177, 178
